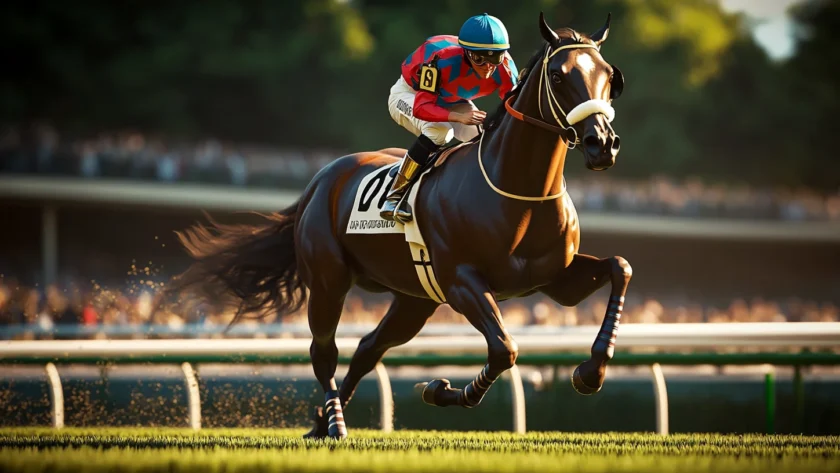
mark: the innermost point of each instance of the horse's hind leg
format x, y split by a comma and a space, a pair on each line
585, 275
471, 296
325, 304
404, 320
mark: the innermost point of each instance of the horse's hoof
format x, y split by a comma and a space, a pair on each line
321, 428
431, 388
583, 379
440, 393
314, 434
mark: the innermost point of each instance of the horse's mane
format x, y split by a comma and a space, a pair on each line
567, 36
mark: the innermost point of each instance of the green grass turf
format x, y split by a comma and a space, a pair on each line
251, 450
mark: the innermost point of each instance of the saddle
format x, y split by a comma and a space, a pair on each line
440, 156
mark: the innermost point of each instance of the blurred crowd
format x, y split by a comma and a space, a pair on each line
139, 157
40, 310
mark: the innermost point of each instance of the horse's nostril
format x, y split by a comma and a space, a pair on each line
616, 143
592, 143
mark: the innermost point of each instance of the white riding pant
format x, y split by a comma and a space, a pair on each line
401, 107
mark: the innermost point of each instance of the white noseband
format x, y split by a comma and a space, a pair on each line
591, 107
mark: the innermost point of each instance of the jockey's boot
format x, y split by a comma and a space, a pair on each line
408, 169
414, 159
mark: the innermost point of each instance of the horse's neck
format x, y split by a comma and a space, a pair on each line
523, 159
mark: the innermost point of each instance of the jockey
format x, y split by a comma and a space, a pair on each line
433, 96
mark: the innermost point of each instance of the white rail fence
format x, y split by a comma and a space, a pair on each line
772, 338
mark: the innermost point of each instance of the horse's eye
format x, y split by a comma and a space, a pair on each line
555, 77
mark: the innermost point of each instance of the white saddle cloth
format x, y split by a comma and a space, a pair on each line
365, 219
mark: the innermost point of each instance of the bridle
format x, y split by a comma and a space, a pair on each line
577, 114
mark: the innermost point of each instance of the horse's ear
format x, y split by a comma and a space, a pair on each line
601, 35
547, 33
616, 83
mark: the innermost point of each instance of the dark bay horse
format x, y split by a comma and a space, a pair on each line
496, 219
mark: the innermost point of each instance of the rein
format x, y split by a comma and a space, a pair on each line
508, 194
577, 114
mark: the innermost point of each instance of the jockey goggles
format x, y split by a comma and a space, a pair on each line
479, 58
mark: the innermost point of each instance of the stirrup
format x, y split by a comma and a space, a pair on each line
396, 209
403, 213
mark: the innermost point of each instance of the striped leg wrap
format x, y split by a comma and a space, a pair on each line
609, 329
333, 412
475, 391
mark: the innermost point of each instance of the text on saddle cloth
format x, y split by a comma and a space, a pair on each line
365, 219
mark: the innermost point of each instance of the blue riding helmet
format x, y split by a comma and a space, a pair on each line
484, 33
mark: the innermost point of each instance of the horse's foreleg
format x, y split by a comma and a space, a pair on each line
471, 296
585, 275
403, 321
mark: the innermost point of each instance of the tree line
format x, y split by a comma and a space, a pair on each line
701, 97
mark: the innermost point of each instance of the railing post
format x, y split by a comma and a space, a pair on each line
56, 396
770, 399
518, 398
660, 394
386, 399
193, 400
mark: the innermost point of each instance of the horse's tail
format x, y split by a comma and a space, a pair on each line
252, 267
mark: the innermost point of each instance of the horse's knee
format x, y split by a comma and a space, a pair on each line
621, 269
439, 132
323, 346
502, 355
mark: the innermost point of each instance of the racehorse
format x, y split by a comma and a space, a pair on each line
496, 216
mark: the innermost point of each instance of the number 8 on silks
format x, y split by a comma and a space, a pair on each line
429, 77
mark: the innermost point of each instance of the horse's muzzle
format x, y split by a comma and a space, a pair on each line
600, 151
